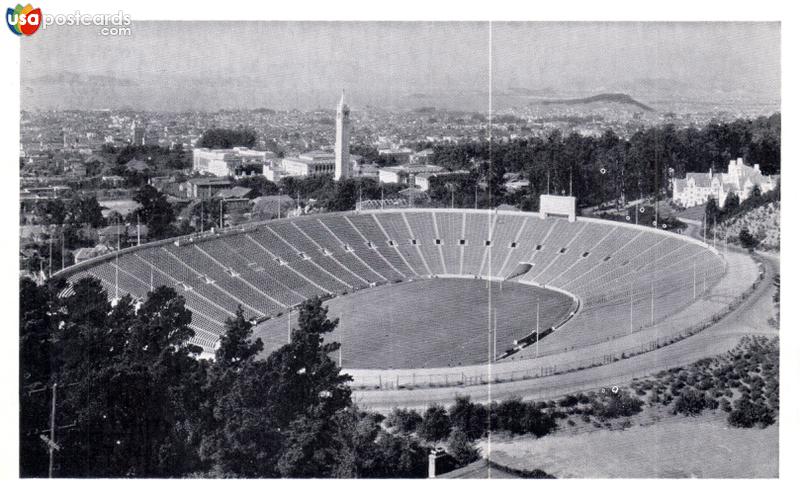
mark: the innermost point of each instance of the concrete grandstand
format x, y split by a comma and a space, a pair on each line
606, 290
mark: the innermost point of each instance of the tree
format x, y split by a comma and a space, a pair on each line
731, 204
130, 383
749, 414
460, 447
51, 211
85, 210
155, 211
405, 420
227, 138
469, 418
435, 424
747, 240
690, 402
712, 215
276, 416
236, 346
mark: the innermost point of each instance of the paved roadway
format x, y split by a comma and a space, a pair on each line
749, 318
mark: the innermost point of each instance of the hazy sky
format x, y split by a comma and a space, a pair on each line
207, 65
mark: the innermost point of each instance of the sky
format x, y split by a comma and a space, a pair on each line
210, 65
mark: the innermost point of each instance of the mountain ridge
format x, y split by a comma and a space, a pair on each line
622, 98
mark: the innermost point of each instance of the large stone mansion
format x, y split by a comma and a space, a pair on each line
740, 179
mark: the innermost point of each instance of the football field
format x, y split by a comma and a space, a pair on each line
429, 323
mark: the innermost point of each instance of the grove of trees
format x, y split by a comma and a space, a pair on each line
609, 168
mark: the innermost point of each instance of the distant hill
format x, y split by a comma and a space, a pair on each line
621, 98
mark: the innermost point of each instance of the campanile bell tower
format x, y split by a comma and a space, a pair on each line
342, 150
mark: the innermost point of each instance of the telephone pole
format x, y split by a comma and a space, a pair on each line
52, 446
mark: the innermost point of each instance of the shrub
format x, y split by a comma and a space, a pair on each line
406, 421
621, 404
690, 402
537, 422
470, 418
748, 414
568, 401
435, 424
460, 447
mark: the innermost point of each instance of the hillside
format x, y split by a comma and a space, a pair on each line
763, 222
620, 98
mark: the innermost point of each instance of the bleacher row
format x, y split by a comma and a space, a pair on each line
281, 263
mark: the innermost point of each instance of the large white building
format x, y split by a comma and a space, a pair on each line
309, 164
740, 179
406, 174
235, 162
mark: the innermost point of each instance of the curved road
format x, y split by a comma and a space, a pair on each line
748, 319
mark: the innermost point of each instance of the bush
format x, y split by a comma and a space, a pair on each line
691, 402
510, 415
405, 420
519, 417
748, 414
568, 401
538, 422
435, 424
470, 418
460, 447
621, 404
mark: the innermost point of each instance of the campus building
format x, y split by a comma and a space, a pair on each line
740, 180
237, 161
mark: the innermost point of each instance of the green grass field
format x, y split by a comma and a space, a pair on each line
428, 323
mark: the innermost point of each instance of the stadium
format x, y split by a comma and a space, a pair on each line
432, 298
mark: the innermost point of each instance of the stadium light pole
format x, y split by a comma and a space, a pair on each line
704, 280
52, 442
715, 232
50, 249
537, 327
62, 248
494, 345
289, 328
704, 227
652, 304
631, 308
116, 267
